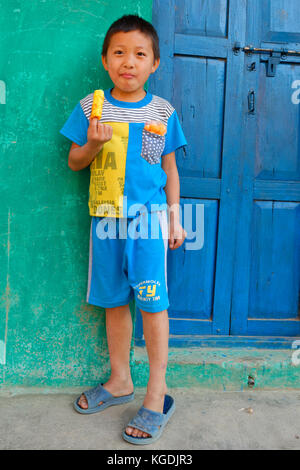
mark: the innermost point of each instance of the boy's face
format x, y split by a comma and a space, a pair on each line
129, 62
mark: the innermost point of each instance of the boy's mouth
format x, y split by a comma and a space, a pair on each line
127, 75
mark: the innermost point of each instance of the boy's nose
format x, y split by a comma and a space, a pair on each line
128, 65
128, 62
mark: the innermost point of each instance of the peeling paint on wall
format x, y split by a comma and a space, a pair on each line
2, 92
2, 353
51, 55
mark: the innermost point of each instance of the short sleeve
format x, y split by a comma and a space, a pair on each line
76, 126
174, 137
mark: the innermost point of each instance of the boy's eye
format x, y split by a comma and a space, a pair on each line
141, 54
118, 52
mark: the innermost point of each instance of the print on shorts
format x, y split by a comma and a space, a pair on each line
148, 291
152, 146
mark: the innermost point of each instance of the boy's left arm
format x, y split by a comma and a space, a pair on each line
177, 234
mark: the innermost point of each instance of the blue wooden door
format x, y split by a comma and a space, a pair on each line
265, 296
240, 170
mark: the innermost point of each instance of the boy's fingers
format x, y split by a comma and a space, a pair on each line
171, 242
101, 129
175, 243
93, 123
100, 132
107, 129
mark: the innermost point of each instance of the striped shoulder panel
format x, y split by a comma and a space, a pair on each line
163, 105
158, 109
86, 105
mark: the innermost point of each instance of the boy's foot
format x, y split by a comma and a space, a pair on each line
116, 389
153, 401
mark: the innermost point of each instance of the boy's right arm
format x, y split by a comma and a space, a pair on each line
97, 135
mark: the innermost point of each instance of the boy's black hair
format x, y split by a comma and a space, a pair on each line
132, 23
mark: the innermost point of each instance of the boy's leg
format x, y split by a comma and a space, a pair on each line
119, 333
156, 332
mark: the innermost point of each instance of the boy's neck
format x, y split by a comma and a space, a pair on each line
130, 97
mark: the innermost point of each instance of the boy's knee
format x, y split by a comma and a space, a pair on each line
119, 308
161, 312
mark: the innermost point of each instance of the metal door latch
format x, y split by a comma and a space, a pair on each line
276, 55
273, 61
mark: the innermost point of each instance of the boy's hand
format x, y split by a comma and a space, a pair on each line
177, 235
98, 133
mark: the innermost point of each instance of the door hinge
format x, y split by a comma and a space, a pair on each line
276, 55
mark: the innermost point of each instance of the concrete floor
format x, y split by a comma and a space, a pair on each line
202, 420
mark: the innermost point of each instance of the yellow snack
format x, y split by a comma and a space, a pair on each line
97, 104
156, 127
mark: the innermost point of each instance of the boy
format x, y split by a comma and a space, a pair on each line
130, 165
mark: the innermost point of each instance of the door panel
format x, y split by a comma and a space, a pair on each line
277, 145
275, 269
203, 156
195, 294
280, 20
265, 297
204, 18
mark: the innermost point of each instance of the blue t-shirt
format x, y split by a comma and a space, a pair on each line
126, 175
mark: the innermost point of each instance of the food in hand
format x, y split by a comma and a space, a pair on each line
97, 104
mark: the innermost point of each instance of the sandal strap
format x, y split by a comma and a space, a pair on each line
147, 420
97, 394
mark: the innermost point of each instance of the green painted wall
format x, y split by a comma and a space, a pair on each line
50, 58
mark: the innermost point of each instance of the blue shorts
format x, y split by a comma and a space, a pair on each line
128, 258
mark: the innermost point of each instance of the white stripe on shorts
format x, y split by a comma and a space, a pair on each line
90, 264
163, 222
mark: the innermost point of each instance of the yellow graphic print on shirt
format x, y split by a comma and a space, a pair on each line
107, 178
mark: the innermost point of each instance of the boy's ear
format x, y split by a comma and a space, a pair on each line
103, 58
155, 65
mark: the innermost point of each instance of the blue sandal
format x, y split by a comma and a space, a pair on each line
150, 422
97, 394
